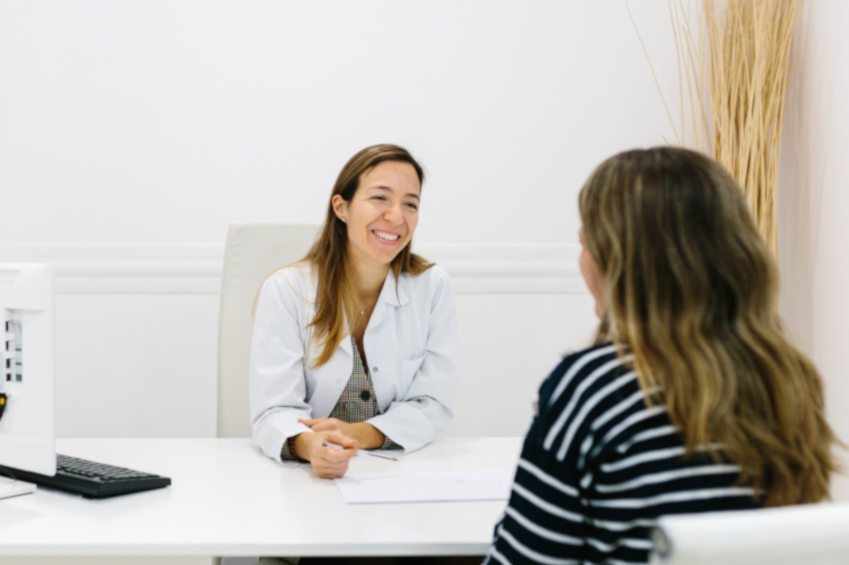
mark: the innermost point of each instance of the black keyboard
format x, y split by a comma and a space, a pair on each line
90, 479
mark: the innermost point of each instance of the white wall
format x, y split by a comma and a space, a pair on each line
160, 122
813, 205
132, 133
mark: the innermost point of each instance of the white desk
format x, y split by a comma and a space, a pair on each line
228, 499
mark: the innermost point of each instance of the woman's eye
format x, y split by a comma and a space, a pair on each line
378, 197
412, 206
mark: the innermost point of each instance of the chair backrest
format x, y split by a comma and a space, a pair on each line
253, 252
813, 534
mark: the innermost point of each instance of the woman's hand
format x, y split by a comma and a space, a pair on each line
366, 435
328, 463
330, 425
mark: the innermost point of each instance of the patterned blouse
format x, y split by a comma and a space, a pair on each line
358, 403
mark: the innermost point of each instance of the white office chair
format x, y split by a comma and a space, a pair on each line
811, 534
253, 251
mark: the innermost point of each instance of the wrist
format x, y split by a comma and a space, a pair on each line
302, 445
367, 436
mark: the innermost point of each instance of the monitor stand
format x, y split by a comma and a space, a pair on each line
11, 487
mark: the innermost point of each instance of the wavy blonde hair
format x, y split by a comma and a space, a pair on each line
692, 292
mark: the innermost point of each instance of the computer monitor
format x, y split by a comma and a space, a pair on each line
27, 436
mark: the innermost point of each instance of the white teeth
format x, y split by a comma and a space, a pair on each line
386, 236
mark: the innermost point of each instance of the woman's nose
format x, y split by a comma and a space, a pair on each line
394, 215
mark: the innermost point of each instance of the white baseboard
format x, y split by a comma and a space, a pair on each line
196, 269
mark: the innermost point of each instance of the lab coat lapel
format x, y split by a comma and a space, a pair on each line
388, 297
381, 346
345, 345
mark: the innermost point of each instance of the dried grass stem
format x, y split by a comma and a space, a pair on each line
736, 74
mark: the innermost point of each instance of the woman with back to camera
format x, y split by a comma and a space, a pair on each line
692, 399
356, 345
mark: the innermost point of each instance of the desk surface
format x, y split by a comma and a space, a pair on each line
228, 499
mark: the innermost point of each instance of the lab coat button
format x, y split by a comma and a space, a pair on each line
375, 369
338, 381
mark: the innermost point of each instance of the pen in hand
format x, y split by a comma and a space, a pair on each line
340, 448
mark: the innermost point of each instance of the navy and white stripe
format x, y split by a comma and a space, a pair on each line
599, 467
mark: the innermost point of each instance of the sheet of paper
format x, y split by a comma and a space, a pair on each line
443, 486
11, 487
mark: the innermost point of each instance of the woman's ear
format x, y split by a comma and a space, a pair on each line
340, 207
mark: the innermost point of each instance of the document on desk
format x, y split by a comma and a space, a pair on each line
13, 487
443, 486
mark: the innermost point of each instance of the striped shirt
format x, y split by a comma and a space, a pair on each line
357, 403
599, 467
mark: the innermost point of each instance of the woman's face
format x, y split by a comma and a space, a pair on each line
592, 277
384, 212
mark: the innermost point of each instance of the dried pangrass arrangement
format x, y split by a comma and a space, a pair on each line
736, 73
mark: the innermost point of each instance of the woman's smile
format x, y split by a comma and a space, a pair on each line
385, 237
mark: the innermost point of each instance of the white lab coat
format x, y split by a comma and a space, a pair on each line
410, 344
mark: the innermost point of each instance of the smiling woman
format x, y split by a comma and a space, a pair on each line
381, 216
356, 345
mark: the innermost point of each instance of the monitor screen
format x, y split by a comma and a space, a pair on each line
27, 432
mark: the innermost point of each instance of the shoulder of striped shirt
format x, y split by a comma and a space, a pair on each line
624, 418
574, 355
577, 361
599, 365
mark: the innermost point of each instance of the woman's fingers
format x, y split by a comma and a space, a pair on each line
327, 424
335, 456
331, 463
341, 439
339, 447
330, 472
311, 421
323, 426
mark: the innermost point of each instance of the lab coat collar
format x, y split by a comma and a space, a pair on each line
387, 297
345, 344
388, 293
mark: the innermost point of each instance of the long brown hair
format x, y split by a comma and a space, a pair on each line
337, 298
692, 291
